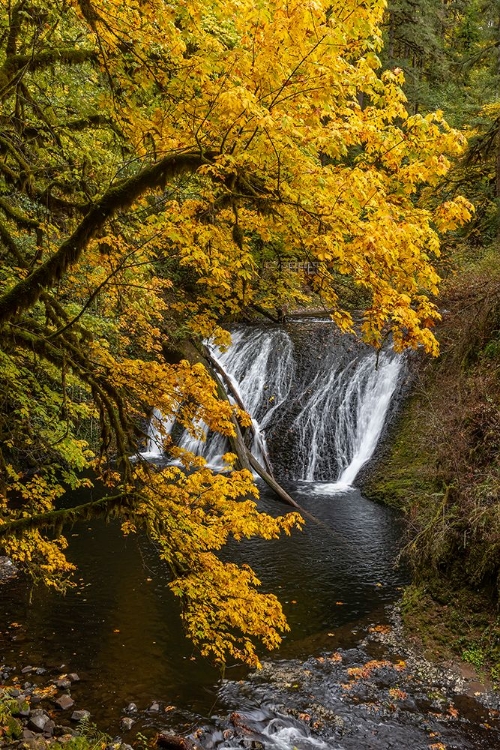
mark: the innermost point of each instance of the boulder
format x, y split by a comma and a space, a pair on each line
38, 720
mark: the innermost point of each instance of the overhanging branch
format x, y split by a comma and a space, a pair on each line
55, 519
27, 292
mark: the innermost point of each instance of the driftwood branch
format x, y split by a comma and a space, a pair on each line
176, 742
236, 395
245, 457
265, 313
272, 483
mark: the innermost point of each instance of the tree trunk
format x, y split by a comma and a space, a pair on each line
246, 460
271, 482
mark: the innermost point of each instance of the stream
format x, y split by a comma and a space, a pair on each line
343, 678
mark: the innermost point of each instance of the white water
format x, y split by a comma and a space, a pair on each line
260, 367
340, 415
341, 420
277, 732
370, 391
158, 429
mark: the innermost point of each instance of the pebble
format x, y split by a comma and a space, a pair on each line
37, 722
80, 715
49, 728
127, 723
64, 684
24, 709
64, 702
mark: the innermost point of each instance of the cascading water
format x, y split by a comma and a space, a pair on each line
342, 418
158, 428
260, 366
318, 401
369, 392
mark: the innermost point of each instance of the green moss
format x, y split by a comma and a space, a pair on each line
13, 728
454, 622
9, 726
406, 470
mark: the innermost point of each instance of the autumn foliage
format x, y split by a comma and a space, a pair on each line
158, 164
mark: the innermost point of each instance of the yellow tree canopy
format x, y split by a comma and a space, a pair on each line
159, 161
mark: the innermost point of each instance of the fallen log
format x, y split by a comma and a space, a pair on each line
271, 482
227, 380
220, 370
245, 458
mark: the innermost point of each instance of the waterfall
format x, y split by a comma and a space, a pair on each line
158, 429
318, 401
343, 415
370, 392
261, 367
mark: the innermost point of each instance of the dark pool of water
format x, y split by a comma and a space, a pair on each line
119, 628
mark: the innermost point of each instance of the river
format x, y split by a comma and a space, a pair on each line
119, 628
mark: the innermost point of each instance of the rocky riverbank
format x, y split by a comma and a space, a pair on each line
36, 713
379, 695
375, 692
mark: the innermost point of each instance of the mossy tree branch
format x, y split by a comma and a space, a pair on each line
56, 519
15, 65
109, 402
8, 242
27, 292
17, 215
